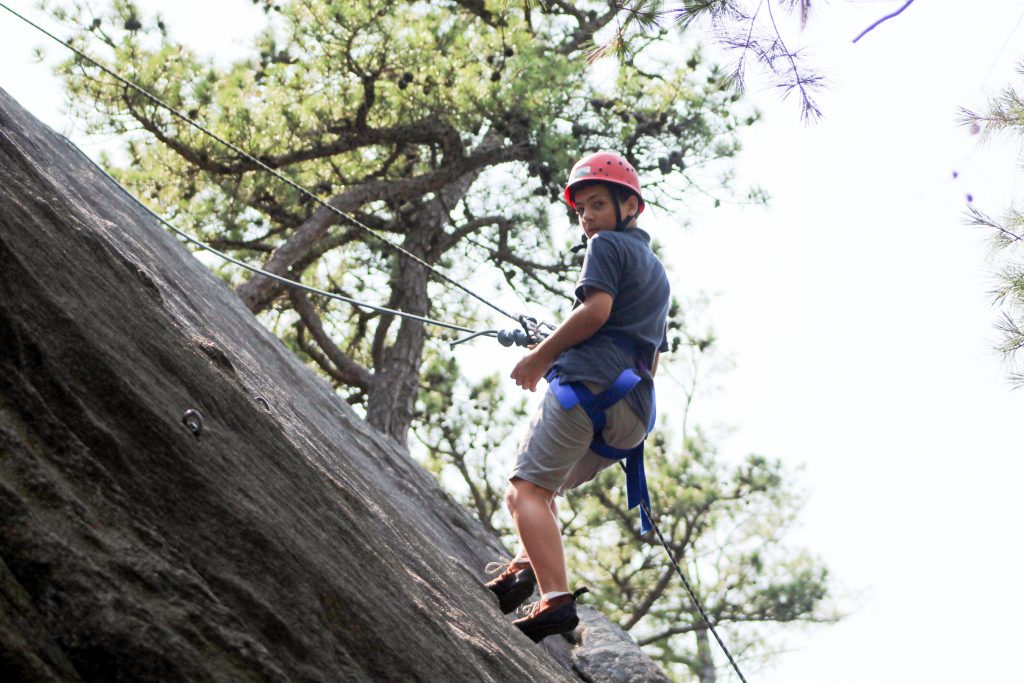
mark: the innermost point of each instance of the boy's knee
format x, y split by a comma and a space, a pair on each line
510, 497
519, 489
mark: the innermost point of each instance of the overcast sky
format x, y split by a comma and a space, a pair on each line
856, 309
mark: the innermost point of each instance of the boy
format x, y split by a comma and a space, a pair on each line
610, 342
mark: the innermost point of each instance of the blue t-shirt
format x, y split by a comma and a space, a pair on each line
622, 264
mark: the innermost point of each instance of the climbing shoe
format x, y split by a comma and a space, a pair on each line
546, 618
513, 586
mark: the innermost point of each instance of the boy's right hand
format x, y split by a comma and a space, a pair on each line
580, 325
531, 368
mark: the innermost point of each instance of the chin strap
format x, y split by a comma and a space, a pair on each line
620, 222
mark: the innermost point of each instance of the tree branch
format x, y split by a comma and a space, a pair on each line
887, 17
652, 596
423, 132
479, 9
586, 28
349, 371
257, 292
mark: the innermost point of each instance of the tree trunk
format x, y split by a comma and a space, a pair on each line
396, 382
706, 662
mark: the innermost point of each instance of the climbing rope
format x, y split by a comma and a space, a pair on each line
250, 158
689, 589
283, 280
505, 337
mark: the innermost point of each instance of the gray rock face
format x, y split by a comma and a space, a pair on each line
289, 543
607, 655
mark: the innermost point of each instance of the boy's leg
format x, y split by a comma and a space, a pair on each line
522, 557
556, 439
532, 509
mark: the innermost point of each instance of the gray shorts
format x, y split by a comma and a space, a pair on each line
556, 455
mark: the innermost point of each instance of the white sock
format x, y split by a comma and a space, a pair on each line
551, 595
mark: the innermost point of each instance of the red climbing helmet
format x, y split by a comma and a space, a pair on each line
605, 167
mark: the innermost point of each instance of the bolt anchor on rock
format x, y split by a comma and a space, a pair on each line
194, 421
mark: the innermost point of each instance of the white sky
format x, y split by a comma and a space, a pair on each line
856, 310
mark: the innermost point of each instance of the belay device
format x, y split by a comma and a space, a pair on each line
533, 332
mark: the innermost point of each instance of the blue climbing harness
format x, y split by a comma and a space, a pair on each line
573, 393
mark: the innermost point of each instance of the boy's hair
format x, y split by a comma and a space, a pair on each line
619, 193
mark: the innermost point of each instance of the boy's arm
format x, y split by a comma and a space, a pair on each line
581, 324
654, 367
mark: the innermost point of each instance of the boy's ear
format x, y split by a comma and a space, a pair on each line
631, 206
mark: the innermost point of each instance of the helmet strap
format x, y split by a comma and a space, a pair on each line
620, 222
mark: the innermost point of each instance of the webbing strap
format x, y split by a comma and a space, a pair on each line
569, 395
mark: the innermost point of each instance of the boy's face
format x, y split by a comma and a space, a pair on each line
597, 212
